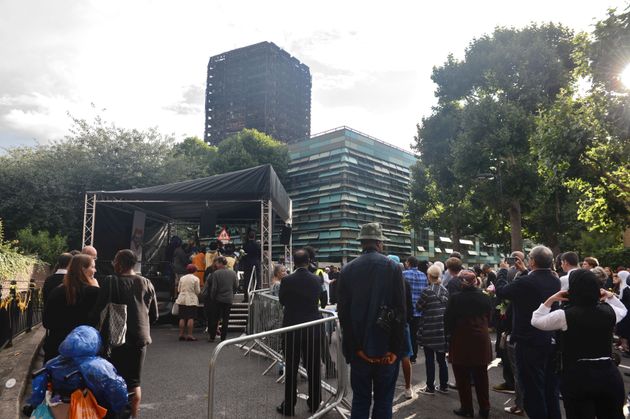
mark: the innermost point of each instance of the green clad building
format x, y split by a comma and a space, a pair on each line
341, 179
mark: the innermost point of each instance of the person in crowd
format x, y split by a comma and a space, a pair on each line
490, 275
314, 268
138, 294
623, 280
601, 276
56, 279
279, 272
90, 251
569, 263
615, 284
199, 260
332, 286
432, 303
299, 295
623, 328
230, 257
450, 279
417, 282
370, 342
470, 351
590, 262
251, 261
69, 304
609, 278
188, 290
407, 351
222, 284
534, 349
180, 258
591, 383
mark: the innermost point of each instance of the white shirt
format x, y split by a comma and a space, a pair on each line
545, 319
564, 280
61, 271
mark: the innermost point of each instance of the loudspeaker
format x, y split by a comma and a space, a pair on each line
285, 235
208, 223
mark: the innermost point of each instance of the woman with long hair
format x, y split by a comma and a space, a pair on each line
70, 303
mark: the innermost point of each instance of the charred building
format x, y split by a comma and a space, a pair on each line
259, 86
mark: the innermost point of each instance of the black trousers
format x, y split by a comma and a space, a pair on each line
216, 311
304, 344
414, 325
593, 389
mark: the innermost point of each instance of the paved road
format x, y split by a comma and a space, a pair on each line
175, 385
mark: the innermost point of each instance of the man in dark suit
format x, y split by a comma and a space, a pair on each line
299, 294
535, 349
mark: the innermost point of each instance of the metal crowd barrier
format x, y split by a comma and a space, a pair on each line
19, 312
255, 364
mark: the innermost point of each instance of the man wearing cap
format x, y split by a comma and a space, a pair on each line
371, 307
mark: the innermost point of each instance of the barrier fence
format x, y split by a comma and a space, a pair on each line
248, 374
19, 312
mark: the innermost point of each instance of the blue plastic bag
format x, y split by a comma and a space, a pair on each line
58, 368
108, 387
39, 385
42, 412
82, 341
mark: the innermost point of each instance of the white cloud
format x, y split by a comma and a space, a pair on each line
145, 60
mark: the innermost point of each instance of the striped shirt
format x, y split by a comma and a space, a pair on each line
417, 281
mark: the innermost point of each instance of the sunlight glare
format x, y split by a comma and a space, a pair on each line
625, 77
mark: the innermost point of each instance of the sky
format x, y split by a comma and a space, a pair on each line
142, 63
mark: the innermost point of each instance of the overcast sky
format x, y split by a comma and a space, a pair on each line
142, 63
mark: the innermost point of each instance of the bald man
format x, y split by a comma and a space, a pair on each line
90, 251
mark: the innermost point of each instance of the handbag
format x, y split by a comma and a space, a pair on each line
113, 325
175, 309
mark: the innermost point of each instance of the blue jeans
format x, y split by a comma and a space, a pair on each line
366, 378
430, 355
538, 380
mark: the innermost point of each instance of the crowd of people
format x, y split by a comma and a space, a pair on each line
554, 318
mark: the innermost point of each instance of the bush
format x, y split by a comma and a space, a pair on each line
46, 247
12, 262
615, 257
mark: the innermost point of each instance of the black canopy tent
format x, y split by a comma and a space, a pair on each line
245, 194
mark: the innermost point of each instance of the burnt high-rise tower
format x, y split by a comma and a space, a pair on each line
260, 86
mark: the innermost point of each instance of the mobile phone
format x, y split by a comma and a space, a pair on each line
510, 260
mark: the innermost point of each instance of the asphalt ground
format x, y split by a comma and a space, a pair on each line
175, 384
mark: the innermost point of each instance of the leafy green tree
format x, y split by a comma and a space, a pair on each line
498, 89
42, 244
250, 148
193, 158
12, 262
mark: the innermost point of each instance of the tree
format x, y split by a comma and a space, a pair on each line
46, 247
499, 87
250, 148
193, 158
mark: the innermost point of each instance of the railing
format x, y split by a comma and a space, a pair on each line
19, 312
247, 363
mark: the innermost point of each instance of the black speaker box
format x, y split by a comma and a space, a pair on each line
208, 223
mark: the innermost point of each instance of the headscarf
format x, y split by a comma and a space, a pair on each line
623, 278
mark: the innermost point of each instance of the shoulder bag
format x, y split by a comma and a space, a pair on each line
113, 325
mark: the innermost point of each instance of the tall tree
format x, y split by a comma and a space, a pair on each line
502, 83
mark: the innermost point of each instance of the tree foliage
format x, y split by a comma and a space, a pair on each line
250, 148
41, 244
478, 137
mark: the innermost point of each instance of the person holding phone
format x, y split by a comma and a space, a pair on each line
590, 381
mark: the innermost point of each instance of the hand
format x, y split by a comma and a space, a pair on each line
604, 295
504, 265
520, 265
559, 296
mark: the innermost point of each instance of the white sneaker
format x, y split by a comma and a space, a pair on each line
408, 393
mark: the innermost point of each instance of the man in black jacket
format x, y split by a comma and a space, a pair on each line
535, 349
372, 314
54, 280
299, 294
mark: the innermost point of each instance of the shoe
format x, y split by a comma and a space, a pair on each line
503, 388
408, 393
464, 413
280, 409
484, 413
191, 338
210, 339
412, 360
513, 410
182, 338
452, 386
443, 390
426, 390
